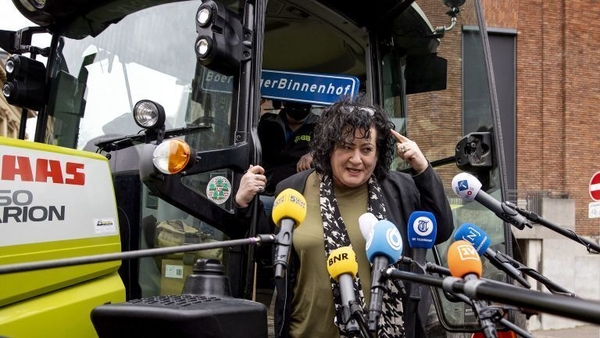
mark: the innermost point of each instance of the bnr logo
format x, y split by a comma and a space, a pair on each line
423, 226
338, 258
466, 252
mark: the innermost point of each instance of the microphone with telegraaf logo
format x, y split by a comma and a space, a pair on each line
421, 232
289, 210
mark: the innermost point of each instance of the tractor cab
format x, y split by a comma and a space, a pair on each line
129, 79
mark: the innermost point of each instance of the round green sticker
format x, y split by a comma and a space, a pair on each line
218, 189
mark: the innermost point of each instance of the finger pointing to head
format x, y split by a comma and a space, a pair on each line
399, 137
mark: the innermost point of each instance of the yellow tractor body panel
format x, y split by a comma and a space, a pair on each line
55, 203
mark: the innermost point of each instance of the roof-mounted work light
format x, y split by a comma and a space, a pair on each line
25, 82
220, 43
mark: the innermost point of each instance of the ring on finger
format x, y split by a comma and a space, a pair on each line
402, 148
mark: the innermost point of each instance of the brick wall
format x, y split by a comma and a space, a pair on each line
558, 92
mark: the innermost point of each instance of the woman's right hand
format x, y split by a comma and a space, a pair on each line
252, 183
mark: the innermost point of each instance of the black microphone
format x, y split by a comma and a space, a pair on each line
289, 210
485, 289
468, 188
481, 241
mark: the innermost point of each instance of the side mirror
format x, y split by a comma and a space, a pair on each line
425, 73
474, 154
20, 41
220, 43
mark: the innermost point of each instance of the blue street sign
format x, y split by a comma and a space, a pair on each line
312, 88
319, 89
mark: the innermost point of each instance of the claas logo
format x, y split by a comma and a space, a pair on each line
26, 169
467, 251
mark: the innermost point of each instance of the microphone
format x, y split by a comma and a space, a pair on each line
366, 222
384, 247
289, 210
421, 232
468, 188
342, 266
480, 240
464, 262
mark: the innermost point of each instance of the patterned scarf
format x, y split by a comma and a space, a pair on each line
335, 235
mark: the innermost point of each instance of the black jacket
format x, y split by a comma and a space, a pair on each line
280, 155
403, 194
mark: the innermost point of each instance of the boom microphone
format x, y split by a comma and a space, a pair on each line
289, 210
480, 240
117, 256
384, 247
468, 188
564, 306
342, 266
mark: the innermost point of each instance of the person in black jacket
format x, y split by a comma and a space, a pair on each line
353, 147
285, 138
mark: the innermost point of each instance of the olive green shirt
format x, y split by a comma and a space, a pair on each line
313, 309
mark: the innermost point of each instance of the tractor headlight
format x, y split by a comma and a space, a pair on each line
149, 115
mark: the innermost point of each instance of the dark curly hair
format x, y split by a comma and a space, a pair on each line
337, 125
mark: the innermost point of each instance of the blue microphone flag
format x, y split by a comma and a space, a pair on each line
384, 240
474, 235
421, 230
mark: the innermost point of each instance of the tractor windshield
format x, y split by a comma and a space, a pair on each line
96, 81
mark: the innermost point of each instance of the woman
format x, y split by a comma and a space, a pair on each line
353, 148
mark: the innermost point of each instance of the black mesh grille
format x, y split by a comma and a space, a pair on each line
174, 300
